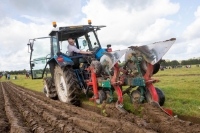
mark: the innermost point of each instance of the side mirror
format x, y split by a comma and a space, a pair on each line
32, 65
109, 45
28, 47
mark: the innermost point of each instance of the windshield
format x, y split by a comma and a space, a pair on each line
88, 42
84, 43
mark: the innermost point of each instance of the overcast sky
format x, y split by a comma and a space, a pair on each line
129, 22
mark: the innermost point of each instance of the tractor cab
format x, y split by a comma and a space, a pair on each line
85, 39
54, 48
84, 36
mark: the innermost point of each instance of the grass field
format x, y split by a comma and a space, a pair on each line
181, 88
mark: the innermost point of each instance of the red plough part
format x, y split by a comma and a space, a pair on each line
93, 83
116, 85
152, 90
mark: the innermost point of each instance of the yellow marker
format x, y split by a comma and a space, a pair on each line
54, 24
89, 21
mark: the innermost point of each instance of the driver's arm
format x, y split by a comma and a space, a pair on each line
76, 50
85, 52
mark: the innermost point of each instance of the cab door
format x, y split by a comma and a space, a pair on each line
40, 54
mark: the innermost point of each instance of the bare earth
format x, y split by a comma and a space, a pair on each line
23, 111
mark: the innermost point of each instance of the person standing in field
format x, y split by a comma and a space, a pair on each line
27, 75
8, 76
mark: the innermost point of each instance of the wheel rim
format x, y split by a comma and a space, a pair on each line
62, 88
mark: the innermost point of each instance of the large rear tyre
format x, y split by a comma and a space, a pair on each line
49, 88
67, 85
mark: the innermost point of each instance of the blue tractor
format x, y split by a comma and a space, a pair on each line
64, 76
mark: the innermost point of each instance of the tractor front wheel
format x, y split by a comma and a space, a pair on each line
67, 85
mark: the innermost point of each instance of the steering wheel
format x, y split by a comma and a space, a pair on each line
95, 49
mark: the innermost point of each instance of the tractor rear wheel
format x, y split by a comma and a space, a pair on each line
49, 88
67, 85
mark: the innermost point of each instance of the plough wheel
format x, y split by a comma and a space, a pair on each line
161, 96
135, 96
102, 97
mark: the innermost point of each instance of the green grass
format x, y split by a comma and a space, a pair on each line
180, 71
182, 93
36, 85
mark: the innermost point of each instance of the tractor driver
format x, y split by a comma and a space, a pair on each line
72, 48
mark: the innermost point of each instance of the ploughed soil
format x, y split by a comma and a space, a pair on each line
23, 111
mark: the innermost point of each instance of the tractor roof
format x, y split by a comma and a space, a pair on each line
73, 31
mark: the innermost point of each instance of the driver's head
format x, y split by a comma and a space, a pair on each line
71, 41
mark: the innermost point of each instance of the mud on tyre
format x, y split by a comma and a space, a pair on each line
49, 88
67, 85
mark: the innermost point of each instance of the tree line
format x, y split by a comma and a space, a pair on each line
194, 61
183, 62
23, 72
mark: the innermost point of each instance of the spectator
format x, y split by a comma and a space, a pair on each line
27, 75
8, 76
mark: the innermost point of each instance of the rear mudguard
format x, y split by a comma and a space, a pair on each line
62, 60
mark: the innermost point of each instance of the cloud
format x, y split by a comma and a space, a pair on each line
131, 23
184, 50
15, 61
128, 23
160, 27
15, 34
197, 13
192, 31
53, 10
14, 38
